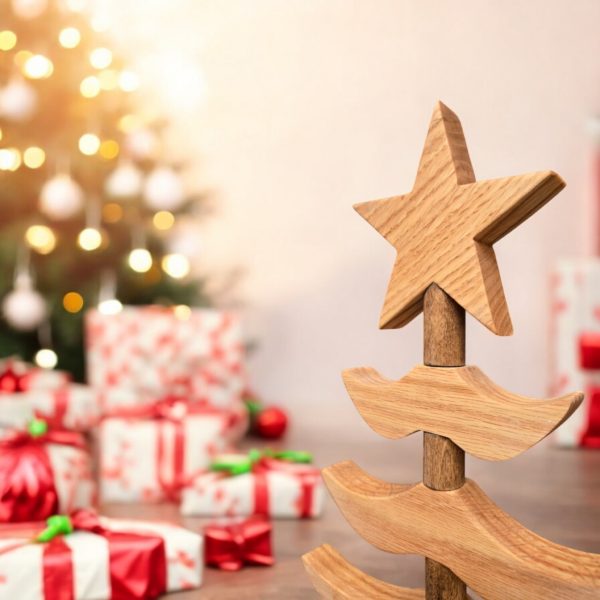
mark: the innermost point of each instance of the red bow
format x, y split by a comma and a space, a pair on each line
230, 546
27, 490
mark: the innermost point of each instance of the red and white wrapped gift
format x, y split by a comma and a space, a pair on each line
43, 473
276, 488
148, 453
575, 346
97, 558
149, 350
17, 375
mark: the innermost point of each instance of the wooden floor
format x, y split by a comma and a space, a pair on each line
553, 492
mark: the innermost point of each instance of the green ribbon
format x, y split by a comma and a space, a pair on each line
37, 427
55, 525
238, 464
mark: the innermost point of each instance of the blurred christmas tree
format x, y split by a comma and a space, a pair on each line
87, 201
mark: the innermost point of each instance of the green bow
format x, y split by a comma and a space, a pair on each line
238, 464
56, 525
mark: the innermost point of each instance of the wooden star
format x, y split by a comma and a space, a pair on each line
444, 229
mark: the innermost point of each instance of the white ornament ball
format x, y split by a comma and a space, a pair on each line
18, 100
29, 9
142, 144
164, 190
124, 182
24, 308
61, 197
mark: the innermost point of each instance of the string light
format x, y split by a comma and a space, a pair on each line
10, 159
110, 307
182, 312
40, 238
69, 37
34, 157
163, 220
73, 302
140, 260
129, 81
89, 239
8, 40
22, 57
90, 87
100, 58
175, 265
46, 358
89, 144
38, 67
108, 79
112, 213
109, 149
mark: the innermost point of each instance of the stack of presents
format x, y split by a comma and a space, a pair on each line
159, 421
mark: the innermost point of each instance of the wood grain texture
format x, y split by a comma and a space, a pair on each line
443, 230
443, 463
460, 403
336, 579
465, 531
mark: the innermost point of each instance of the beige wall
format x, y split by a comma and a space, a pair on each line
313, 105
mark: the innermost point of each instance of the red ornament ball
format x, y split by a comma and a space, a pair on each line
271, 423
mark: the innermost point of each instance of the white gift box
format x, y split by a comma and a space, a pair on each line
293, 493
92, 559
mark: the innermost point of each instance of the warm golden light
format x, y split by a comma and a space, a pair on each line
110, 307
73, 302
163, 220
182, 312
90, 87
140, 260
40, 238
37, 67
22, 57
0, 134
10, 159
112, 213
89, 144
89, 239
100, 58
46, 358
34, 157
100, 22
109, 79
8, 40
69, 37
129, 81
175, 265
130, 123
76, 5
109, 149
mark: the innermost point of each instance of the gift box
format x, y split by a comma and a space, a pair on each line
86, 557
151, 353
43, 472
148, 453
575, 346
18, 376
268, 486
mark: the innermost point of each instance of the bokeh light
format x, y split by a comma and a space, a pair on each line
76, 5
8, 40
100, 22
140, 260
109, 79
112, 213
73, 302
22, 57
38, 66
110, 307
101, 58
182, 312
10, 159
69, 37
129, 81
90, 87
89, 239
40, 238
175, 265
163, 220
46, 358
34, 157
89, 144
109, 149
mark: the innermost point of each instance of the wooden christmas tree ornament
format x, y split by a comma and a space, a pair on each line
443, 233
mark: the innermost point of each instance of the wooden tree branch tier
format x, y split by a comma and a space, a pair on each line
443, 231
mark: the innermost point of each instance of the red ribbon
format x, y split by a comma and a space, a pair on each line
137, 562
27, 489
61, 405
231, 546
